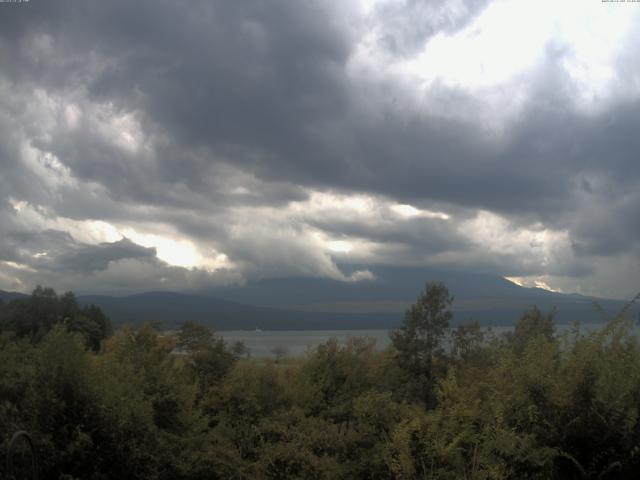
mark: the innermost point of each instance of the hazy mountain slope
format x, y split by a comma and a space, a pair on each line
390, 284
315, 304
8, 296
172, 309
488, 298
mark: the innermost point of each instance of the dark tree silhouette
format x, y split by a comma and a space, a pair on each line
420, 337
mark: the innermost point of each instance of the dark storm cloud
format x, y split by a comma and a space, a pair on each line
610, 225
234, 74
232, 106
87, 258
428, 235
263, 86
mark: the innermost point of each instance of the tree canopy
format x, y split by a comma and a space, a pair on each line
533, 404
420, 337
34, 316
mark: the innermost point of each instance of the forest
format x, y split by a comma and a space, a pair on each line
439, 403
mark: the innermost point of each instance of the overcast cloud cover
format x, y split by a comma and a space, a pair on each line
159, 144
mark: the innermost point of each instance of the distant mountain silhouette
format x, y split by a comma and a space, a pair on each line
8, 296
490, 299
390, 284
171, 309
325, 304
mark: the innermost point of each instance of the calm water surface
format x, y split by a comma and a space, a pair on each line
297, 342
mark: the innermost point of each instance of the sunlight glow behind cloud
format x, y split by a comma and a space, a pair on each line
507, 39
411, 211
340, 246
177, 252
504, 46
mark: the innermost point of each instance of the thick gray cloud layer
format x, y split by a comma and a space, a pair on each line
219, 122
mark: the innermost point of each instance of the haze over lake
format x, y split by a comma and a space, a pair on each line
298, 342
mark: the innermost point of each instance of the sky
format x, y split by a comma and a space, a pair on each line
185, 145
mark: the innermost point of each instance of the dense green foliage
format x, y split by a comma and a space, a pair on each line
151, 405
419, 340
36, 315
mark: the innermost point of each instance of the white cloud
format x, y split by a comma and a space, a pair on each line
410, 211
496, 58
340, 246
178, 252
361, 276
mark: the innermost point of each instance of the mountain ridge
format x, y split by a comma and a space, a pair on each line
305, 303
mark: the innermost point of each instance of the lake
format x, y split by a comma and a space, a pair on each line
297, 342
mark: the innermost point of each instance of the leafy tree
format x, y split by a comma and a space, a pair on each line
92, 324
193, 337
33, 317
466, 340
239, 349
279, 352
332, 377
530, 325
208, 360
421, 335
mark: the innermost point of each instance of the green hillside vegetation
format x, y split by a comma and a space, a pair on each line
439, 403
